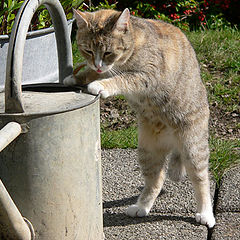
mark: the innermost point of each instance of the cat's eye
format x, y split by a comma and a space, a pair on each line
107, 54
88, 51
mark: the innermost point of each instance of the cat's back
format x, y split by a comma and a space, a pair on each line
158, 27
161, 36
164, 51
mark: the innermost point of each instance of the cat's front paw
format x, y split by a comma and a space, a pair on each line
69, 81
206, 218
96, 88
137, 211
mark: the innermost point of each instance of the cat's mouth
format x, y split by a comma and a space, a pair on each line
102, 69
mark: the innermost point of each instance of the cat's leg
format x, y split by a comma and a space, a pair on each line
82, 78
176, 168
153, 171
195, 155
70, 80
124, 84
97, 88
152, 161
104, 87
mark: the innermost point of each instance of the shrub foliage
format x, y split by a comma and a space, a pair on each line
41, 19
186, 14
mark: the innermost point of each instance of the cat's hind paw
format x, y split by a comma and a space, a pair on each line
96, 88
206, 218
136, 211
69, 81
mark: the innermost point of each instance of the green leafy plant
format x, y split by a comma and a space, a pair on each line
186, 14
88, 6
7, 14
41, 18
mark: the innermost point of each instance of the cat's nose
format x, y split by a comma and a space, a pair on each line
98, 64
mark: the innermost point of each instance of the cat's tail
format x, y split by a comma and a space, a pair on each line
79, 67
176, 169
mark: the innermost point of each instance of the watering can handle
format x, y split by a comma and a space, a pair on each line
13, 89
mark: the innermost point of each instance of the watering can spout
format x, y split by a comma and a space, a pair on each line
17, 227
10, 218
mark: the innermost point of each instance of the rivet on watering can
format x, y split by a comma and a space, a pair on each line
25, 127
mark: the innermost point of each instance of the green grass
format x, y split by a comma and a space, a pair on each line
77, 58
217, 48
218, 54
124, 138
224, 155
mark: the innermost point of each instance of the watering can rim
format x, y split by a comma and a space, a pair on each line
21, 117
52, 88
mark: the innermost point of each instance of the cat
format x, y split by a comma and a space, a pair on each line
154, 66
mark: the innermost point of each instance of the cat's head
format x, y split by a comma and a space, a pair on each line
104, 38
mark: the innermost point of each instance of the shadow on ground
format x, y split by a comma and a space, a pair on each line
121, 219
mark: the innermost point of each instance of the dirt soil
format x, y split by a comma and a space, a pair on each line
116, 114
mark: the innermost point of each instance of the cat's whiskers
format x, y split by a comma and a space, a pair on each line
116, 72
112, 73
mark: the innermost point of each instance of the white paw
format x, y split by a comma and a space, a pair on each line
206, 218
96, 88
136, 211
69, 81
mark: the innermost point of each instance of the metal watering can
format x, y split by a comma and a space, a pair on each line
52, 170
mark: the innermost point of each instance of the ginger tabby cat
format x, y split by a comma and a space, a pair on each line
154, 66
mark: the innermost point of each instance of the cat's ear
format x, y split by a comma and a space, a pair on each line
122, 23
81, 18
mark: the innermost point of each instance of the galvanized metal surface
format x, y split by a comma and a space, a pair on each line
47, 103
16, 49
14, 225
53, 173
40, 59
8, 133
53, 170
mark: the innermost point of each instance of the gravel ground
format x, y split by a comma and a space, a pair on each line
172, 216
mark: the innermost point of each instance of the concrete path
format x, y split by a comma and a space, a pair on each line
228, 207
172, 216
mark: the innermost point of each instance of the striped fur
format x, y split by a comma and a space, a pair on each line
154, 65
